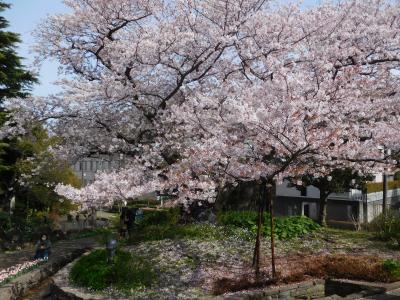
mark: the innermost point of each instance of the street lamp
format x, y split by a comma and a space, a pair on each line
111, 249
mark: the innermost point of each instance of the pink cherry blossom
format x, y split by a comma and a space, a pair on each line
239, 90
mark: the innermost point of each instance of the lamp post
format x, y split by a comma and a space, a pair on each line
111, 249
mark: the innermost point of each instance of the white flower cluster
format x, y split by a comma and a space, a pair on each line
13, 271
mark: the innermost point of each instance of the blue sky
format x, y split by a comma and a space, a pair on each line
25, 15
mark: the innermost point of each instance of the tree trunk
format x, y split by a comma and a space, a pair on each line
323, 205
271, 195
257, 251
93, 217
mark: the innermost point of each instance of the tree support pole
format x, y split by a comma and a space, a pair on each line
384, 198
257, 251
271, 194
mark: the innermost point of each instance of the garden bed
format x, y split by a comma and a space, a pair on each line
309, 289
188, 266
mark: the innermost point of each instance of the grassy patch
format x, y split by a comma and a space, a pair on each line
203, 232
347, 234
387, 227
128, 273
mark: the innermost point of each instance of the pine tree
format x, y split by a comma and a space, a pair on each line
15, 81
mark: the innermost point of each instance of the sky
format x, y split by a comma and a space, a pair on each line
24, 16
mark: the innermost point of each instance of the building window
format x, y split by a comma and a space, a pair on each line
309, 209
303, 191
81, 166
91, 165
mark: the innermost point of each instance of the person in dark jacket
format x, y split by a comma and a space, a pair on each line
43, 248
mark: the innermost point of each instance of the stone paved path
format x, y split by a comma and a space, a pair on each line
37, 282
60, 248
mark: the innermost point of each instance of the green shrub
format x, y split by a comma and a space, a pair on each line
128, 272
285, 227
387, 227
160, 217
245, 219
393, 267
5, 221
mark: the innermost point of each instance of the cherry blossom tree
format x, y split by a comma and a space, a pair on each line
238, 90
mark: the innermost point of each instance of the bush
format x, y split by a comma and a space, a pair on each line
5, 221
387, 227
19, 229
129, 272
290, 227
244, 219
169, 216
285, 227
393, 267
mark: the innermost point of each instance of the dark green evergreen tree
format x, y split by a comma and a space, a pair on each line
15, 81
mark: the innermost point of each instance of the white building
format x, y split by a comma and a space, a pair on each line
353, 205
86, 168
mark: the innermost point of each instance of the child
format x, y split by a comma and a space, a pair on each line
43, 248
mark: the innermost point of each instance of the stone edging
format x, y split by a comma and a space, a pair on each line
364, 288
19, 286
62, 289
309, 290
312, 289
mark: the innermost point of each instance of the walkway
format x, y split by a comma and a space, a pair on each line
59, 248
62, 253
